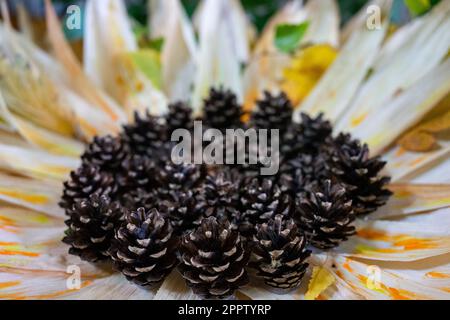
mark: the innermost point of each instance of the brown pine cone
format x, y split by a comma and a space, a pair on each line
213, 260
144, 247
279, 253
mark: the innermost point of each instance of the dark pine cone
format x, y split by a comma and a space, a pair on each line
179, 117
303, 172
273, 112
279, 253
91, 227
213, 260
261, 200
219, 194
351, 164
144, 247
85, 181
139, 198
222, 110
106, 152
137, 172
179, 176
182, 208
146, 135
325, 215
307, 136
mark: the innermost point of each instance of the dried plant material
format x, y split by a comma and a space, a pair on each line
320, 280
418, 141
305, 71
423, 137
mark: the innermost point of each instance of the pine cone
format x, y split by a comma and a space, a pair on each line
179, 117
221, 110
106, 152
279, 253
182, 209
303, 172
91, 227
139, 198
179, 176
144, 247
273, 112
306, 137
85, 181
325, 215
213, 260
137, 172
351, 164
146, 135
219, 194
261, 201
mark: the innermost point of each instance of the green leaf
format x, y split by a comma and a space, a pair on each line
156, 44
149, 62
289, 36
418, 7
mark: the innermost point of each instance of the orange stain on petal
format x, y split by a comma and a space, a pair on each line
394, 293
4, 285
356, 121
418, 161
399, 294
372, 234
19, 253
7, 221
347, 267
8, 244
437, 275
401, 151
405, 241
19, 296
415, 244
33, 198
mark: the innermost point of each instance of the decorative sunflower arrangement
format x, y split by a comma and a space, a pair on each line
128, 202
90, 131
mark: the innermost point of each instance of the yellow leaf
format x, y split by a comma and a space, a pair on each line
321, 279
305, 71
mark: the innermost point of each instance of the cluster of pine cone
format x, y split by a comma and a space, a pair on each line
128, 202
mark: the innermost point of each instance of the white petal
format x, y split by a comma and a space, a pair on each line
339, 84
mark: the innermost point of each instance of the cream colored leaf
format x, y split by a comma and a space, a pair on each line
35, 163
338, 86
82, 84
323, 16
404, 240
174, 288
439, 173
41, 195
414, 198
375, 282
404, 165
420, 53
169, 21
222, 49
405, 110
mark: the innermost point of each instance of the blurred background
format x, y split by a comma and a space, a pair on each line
259, 12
